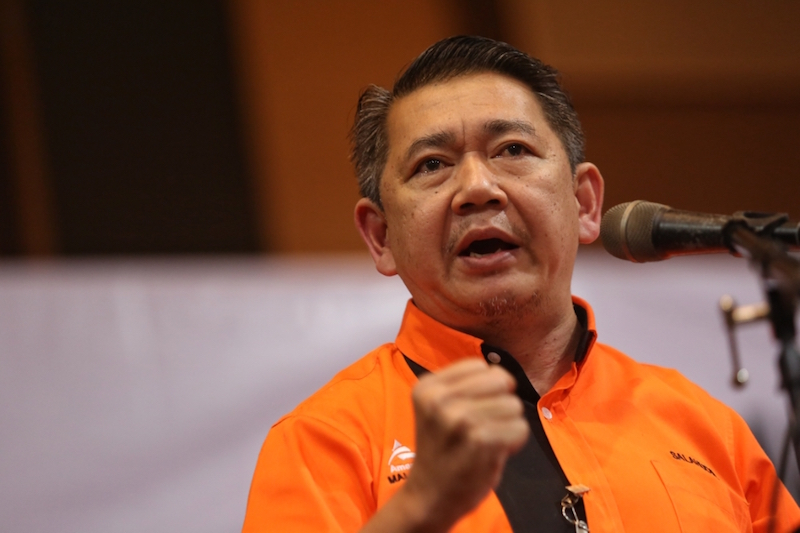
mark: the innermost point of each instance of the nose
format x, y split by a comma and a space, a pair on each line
478, 187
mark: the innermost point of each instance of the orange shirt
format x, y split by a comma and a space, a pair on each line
657, 452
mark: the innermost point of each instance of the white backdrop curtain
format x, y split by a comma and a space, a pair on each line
135, 394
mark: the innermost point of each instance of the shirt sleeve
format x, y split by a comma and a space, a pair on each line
765, 493
309, 477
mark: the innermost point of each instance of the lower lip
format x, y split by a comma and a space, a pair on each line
489, 261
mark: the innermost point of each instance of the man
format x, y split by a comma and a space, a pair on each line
495, 410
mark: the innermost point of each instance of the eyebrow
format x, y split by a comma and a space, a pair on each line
434, 140
500, 126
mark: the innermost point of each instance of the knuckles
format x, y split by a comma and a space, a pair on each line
476, 407
468, 422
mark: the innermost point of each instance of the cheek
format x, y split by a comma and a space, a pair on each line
408, 231
423, 215
550, 210
545, 197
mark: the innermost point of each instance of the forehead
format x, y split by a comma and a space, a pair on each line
463, 105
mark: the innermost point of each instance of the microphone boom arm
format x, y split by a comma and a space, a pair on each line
780, 274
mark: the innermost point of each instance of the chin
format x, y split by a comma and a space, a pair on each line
505, 305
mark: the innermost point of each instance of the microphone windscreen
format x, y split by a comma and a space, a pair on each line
627, 231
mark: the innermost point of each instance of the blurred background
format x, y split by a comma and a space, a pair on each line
178, 262
220, 126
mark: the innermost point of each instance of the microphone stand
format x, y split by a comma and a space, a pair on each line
780, 274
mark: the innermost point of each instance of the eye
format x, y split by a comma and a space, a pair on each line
514, 150
429, 165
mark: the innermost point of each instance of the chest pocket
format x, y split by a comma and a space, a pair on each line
702, 502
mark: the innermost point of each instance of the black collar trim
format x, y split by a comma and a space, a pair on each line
524, 388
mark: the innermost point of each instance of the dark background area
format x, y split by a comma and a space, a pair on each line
9, 240
219, 126
141, 127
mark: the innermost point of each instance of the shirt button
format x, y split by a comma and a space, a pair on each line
547, 414
493, 357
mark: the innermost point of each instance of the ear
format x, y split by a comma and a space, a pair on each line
589, 188
371, 223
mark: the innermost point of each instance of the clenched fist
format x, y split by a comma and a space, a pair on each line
468, 422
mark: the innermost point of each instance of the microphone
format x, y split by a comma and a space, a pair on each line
642, 231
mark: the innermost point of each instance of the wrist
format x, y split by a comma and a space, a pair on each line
424, 511
405, 512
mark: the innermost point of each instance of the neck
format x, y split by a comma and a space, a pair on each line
545, 351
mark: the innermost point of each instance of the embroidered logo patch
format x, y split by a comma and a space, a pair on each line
400, 461
691, 460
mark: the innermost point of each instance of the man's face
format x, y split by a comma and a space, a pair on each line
482, 216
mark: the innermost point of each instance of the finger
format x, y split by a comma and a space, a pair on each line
459, 419
471, 382
503, 407
491, 381
473, 411
498, 437
458, 370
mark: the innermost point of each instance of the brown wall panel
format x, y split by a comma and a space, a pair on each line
679, 51
686, 103
717, 160
303, 65
689, 103
30, 191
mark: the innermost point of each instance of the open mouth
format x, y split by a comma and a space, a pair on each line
484, 247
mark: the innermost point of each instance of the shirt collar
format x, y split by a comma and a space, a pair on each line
433, 345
